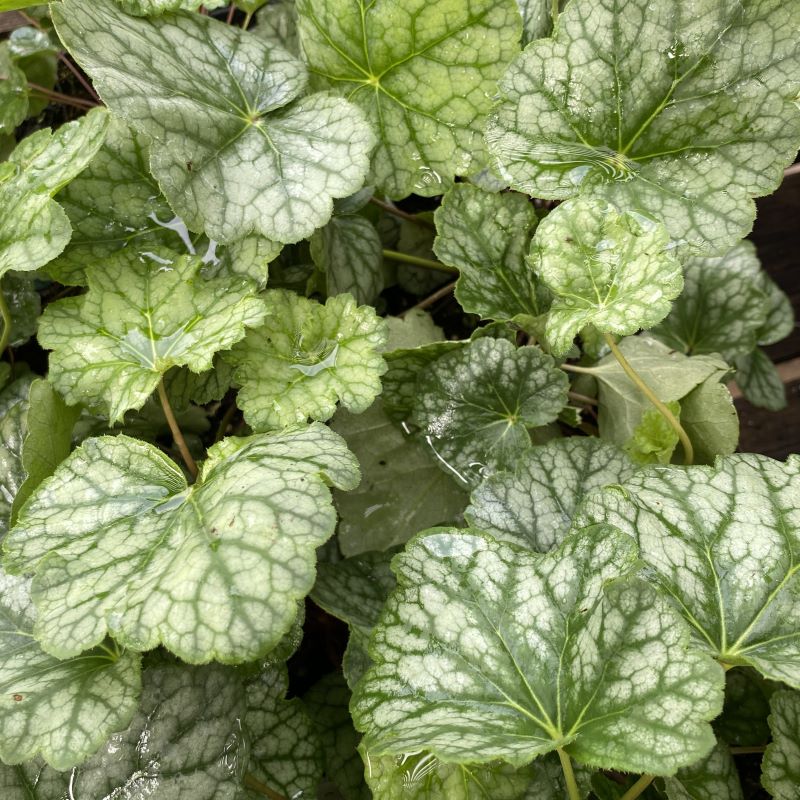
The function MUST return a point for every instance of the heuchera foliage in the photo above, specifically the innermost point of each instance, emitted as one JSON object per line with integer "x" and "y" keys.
{"x": 224, "y": 401}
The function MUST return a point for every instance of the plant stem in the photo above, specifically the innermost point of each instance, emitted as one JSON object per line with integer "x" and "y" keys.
{"x": 64, "y": 59}
{"x": 554, "y": 11}
{"x": 688, "y": 450}
{"x": 746, "y": 751}
{"x": 638, "y": 787}
{"x": 431, "y": 299}
{"x": 5, "y": 337}
{"x": 227, "y": 417}
{"x": 569, "y": 775}
{"x": 177, "y": 436}
{"x": 389, "y": 208}
{"x": 582, "y": 398}
{"x": 246, "y": 23}
{"x": 231, "y": 14}
{"x": 51, "y": 94}
{"x": 253, "y": 783}
{"x": 394, "y": 255}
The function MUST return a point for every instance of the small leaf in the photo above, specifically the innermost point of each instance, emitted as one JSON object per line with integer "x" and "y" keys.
{"x": 142, "y": 316}
{"x": 25, "y": 306}
{"x": 475, "y": 405}
{"x": 720, "y": 541}
{"x": 33, "y": 228}
{"x": 120, "y": 544}
{"x": 185, "y": 387}
{"x": 349, "y": 254}
{"x": 13, "y": 92}
{"x": 607, "y": 269}
{"x": 487, "y": 236}
{"x": 780, "y": 769}
{"x": 424, "y": 73}
{"x": 712, "y": 778}
{"x": 632, "y": 102}
{"x": 306, "y": 357}
{"x": 486, "y": 651}
{"x": 14, "y": 408}
{"x": 63, "y": 710}
{"x": 760, "y": 381}
{"x": 264, "y": 164}
{"x": 402, "y": 491}
{"x": 533, "y": 505}
{"x": 710, "y": 420}
{"x": 654, "y": 440}
{"x": 722, "y": 307}
{"x": 744, "y": 718}
{"x": 48, "y": 439}
{"x": 414, "y": 329}
{"x": 780, "y": 313}
{"x": 277, "y": 24}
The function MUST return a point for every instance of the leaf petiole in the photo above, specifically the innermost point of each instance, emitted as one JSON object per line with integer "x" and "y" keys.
{"x": 416, "y": 261}
{"x": 638, "y": 787}
{"x": 177, "y": 434}
{"x": 253, "y": 783}
{"x": 569, "y": 775}
{"x": 688, "y": 450}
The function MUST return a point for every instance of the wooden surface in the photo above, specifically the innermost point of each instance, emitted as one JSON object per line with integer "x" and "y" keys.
{"x": 777, "y": 237}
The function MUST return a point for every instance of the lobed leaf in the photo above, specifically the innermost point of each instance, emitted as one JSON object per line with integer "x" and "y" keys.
{"x": 780, "y": 769}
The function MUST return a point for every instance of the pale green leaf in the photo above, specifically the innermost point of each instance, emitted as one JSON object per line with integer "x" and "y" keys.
{"x": 306, "y": 357}
{"x": 14, "y": 407}
{"x": 144, "y": 8}
{"x": 277, "y": 24}
{"x": 760, "y": 381}
{"x": 402, "y": 491}
{"x": 236, "y": 152}
{"x": 63, "y": 710}
{"x": 681, "y": 111}
{"x": 533, "y": 505}
{"x": 34, "y": 52}
{"x": 710, "y": 420}
{"x": 327, "y": 702}
{"x": 712, "y": 778}
{"x": 349, "y": 254}
{"x": 612, "y": 270}
{"x": 24, "y": 305}
{"x": 654, "y": 440}
{"x": 722, "y": 307}
{"x": 780, "y": 313}
{"x": 120, "y": 544}
{"x": 487, "y": 651}
{"x": 424, "y": 73}
{"x": 13, "y": 92}
{"x": 414, "y": 329}
{"x": 780, "y": 769}
{"x": 474, "y": 406}
{"x": 486, "y": 236}
{"x": 185, "y": 741}
{"x": 285, "y": 753}
{"x": 33, "y": 780}
{"x": 669, "y": 374}
{"x": 142, "y": 316}
{"x": 48, "y": 439}
{"x": 721, "y": 542}
{"x": 33, "y": 228}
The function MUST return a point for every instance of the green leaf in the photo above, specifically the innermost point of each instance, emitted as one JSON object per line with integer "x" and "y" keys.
{"x": 402, "y": 491}
{"x": 277, "y": 24}
{"x": 306, "y": 357}
{"x": 537, "y": 19}
{"x": 186, "y": 739}
{"x": 475, "y": 405}
{"x": 263, "y": 163}
{"x": 48, "y": 439}
{"x": 487, "y": 651}
{"x": 327, "y": 703}
{"x": 185, "y": 387}
{"x": 63, "y": 710}
{"x": 780, "y": 769}
{"x": 720, "y": 541}
{"x": 486, "y": 236}
{"x": 722, "y": 308}
{"x": 612, "y": 270}
{"x": 712, "y": 778}
{"x": 670, "y": 375}
{"x": 145, "y": 8}
{"x": 13, "y": 92}
{"x": 33, "y": 780}
{"x": 355, "y": 589}
{"x": 425, "y": 74}
{"x": 24, "y": 304}
{"x": 349, "y": 254}
{"x": 14, "y": 407}
{"x": 142, "y": 316}
{"x": 682, "y": 114}
{"x": 414, "y": 329}
{"x": 654, "y": 440}
{"x": 710, "y": 420}
{"x": 34, "y": 229}
{"x": 780, "y": 313}
{"x": 120, "y": 544}
{"x": 744, "y": 718}
{"x": 533, "y": 505}
{"x": 760, "y": 381}
{"x": 285, "y": 753}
